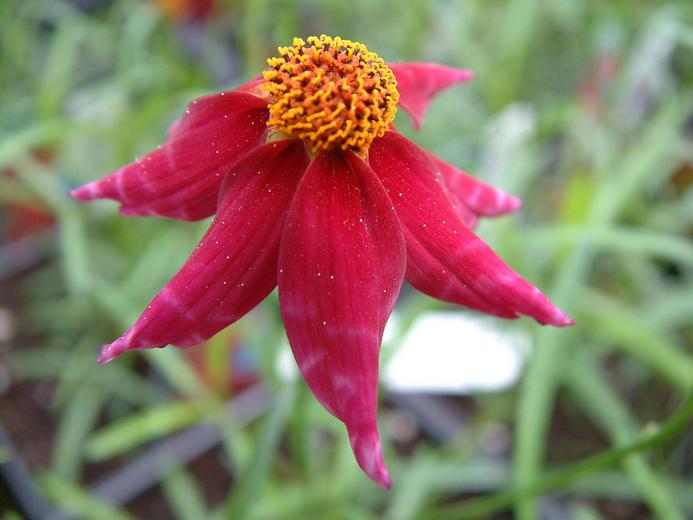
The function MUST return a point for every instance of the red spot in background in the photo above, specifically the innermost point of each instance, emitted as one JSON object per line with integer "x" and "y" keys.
{"x": 25, "y": 215}
{"x": 181, "y": 10}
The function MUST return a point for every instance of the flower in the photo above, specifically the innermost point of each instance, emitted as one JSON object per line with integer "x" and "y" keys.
{"x": 315, "y": 192}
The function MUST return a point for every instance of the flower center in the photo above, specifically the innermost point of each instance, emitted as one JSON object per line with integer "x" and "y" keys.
{"x": 331, "y": 93}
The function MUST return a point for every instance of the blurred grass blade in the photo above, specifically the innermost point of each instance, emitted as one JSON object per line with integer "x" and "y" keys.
{"x": 585, "y": 512}
{"x": 412, "y": 490}
{"x": 539, "y": 386}
{"x": 650, "y": 151}
{"x": 76, "y": 421}
{"x": 184, "y": 496}
{"x": 59, "y": 70}
{"x": 251, "y": 480}
{"x": 672, "y": 309}
{"x": 617, "y": 240}
{"x": 74, "y": 248}
{"x": 178, "y": 372}
{"x": 605, "y": 407}
{"x": 78, "y": 501}
{"x": 478, "y": 507}
{"x": 124, "y": 435}
{"x": 72, "y": 235}
{"x": 618, "y": 325}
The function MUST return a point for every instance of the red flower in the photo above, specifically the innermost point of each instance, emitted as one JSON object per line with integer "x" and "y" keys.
{"x": 315, "y": 191}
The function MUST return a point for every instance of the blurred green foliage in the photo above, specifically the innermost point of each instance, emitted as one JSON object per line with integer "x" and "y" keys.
{"x": 583, "y": 108}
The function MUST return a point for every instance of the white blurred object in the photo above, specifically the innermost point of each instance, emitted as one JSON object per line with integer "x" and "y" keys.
{"x": 453, "y": 353}
{"x": 285, "y": 364}
{"x": 443, "y": 353}
{"x": 506, "y": 138}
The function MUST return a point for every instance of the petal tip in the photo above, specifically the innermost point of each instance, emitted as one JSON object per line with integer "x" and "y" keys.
{"x": 84, "y": 193}
{"x": 416, "y": 122}
{"x": 377, "y": 471}
{"x": 558, "y": 318}
{"x": 106, "y": 354}
{"x": 565, "y": 321}
{"x": 514, "y": 203}
{"x": 464, "y": 75}
{"x": 110, "y": 351}
{"x": 367, "y": 449}
{"x": 383, "y": 480}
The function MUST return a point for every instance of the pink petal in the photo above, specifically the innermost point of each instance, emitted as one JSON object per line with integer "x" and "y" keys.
{"x": 465, "y": 214}
{"x": 342, "y": 262}
{"x": 481, "y": 198}
{"x": 418, "y": 83}
{"x": 445, "y": 259}
{"x": 181, "y": 178}
{"x": 235, "y": 264}
{"x": 252, "y": 87}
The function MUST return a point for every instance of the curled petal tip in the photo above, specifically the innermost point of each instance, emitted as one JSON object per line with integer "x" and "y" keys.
{"x": 483, "y": 199}
{"x": 544, "y": 311}
{"x": 182, "y": 177}
{"x": 513, "y": 203}
{"x": 464, "y": 75}
{"x": 564, "y": 321}
{"x": 558, "y": 318}
{"x": 111, "y": 351}
{"x": 369, "y": 455}
{"x": 86, "y": 192}
{"x": 106, "y": 354}
{"x": 383, "y": 480}
{"x": 418, "y": 83}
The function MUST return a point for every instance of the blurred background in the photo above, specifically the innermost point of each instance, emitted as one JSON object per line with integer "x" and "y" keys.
{"x": 583, "y": 108}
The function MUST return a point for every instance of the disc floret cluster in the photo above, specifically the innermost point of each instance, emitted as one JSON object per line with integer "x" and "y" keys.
{"x": 330, "y": 93}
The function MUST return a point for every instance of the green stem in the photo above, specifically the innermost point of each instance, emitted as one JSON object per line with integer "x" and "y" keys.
{"x": 478, "y": 507}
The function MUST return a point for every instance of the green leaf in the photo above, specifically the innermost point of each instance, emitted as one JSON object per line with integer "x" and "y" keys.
{"x": 602, "y": 403}
{"x": 621, "y": 240}
{"x": 170, "y": 363}
{"x": 77, "y": 500}
{"x": 124, "y": 435}
{"x": 617, "y": 324}
{"x": 76, "y": 421}
{"x": 184, "y": 496}
{"x": 251, "y": 479}
{"x": 559, "y": 479}
{"x": 651, "y": 151}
